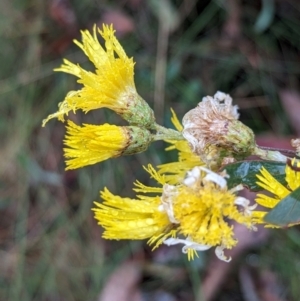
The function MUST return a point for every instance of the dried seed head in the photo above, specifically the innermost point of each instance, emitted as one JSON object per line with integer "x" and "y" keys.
{"x": 215, "y": 122}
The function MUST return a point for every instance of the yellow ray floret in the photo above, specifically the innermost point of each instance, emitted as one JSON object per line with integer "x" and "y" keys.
{"x": 176, "y": 121}
{"x": 203, "y": 206}
{"x": 278, "y": 191}
{"x": 292, "y": 172}
{"x": 91, "y": 144}
{"x": 111, "y": 85}
{"x": 174, "y": 172}
{"x": 203, "y": 210}
{"x": 125, "y": 218}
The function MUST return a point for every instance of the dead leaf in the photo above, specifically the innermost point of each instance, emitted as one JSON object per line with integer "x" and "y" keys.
{"x": 135, "y": 4}
{"x": 123, "y": 23}
{"x": 259, "y": 285}
{"x": 232, "y": 25}
{"x": 62, "y": 12}
{"x": 122, "y": 284}
{"x": 270, "y": 287}
{"x": 271, "y": 140}
{"x": 290, "y": 100}
{"x": 247, "y": 284}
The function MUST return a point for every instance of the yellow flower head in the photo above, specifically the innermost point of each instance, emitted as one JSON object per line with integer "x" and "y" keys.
{"x": 175, "y": 172}
{"x": 111, "y": 86}
{"x": 91, "y": 144}
{"x": 141, "y": 218}
{"x": 202, "y": 206}
{"x": 278, "y": 191}
{"x": 192, "y": 213}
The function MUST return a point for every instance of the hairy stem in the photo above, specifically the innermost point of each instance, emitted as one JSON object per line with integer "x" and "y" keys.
{"x": 163, "y": 133}
{"x": 268, "y": 154}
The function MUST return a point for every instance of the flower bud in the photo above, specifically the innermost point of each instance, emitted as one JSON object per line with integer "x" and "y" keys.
{"x": 139, "y": 140}
{"x": 136, "y": 110}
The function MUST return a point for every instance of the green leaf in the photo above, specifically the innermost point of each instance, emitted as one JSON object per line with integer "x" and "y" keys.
{"x": 265, "y": 17}
{"x": 245, "y": 172}
{"x": 287, "y": 211}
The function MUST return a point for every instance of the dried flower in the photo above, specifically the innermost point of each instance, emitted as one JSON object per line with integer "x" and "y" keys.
{"x": 212, "y": 128}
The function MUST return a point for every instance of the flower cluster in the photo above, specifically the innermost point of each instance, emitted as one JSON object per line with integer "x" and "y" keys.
{"x": 197, "y": 213}
{"x": 110, "y": 86}
{"x": 193, "y": 204}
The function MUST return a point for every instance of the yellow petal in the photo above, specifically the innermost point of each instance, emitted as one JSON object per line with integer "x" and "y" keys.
{"x": 91, "y": 144}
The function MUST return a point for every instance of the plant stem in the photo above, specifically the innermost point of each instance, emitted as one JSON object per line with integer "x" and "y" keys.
{"x": 163, "y": 133}
{"x": 268, "y": 154}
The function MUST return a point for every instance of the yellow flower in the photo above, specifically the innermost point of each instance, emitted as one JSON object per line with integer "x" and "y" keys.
{"x": 277, "y": 190}
{"x": 111, "y": 86}
{"x": 141, "y": 218}
{"x": 91, "y": 144}
{"x": 202, "y": 206}
{"x": 175, "y": 172}
{"x": 194, "y": 213}
{"x": 125, "y": 218}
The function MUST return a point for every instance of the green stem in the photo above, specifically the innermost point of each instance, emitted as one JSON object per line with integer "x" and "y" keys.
{"x": 269, "y": 154}
{"x": 163, "y": 133}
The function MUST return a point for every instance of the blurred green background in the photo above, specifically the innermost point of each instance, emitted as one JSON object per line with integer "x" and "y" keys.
{"x": 50, "y": 245}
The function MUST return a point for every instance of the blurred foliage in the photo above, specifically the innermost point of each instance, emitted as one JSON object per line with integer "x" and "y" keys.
{"x": 50, "y": 246}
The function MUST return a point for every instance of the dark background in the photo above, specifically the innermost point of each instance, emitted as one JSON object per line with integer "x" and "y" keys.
{"x": 50, "y": 245}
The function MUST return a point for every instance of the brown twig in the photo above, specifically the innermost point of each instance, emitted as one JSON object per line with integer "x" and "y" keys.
{"x": 289, "y": 152}
{"x": 160, "y": 70}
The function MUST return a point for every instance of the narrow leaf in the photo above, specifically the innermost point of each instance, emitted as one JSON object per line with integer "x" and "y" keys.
{"x": 287, "y": 211}
{"x": 265, "y": 16}
{"x": 245, "y": 172}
